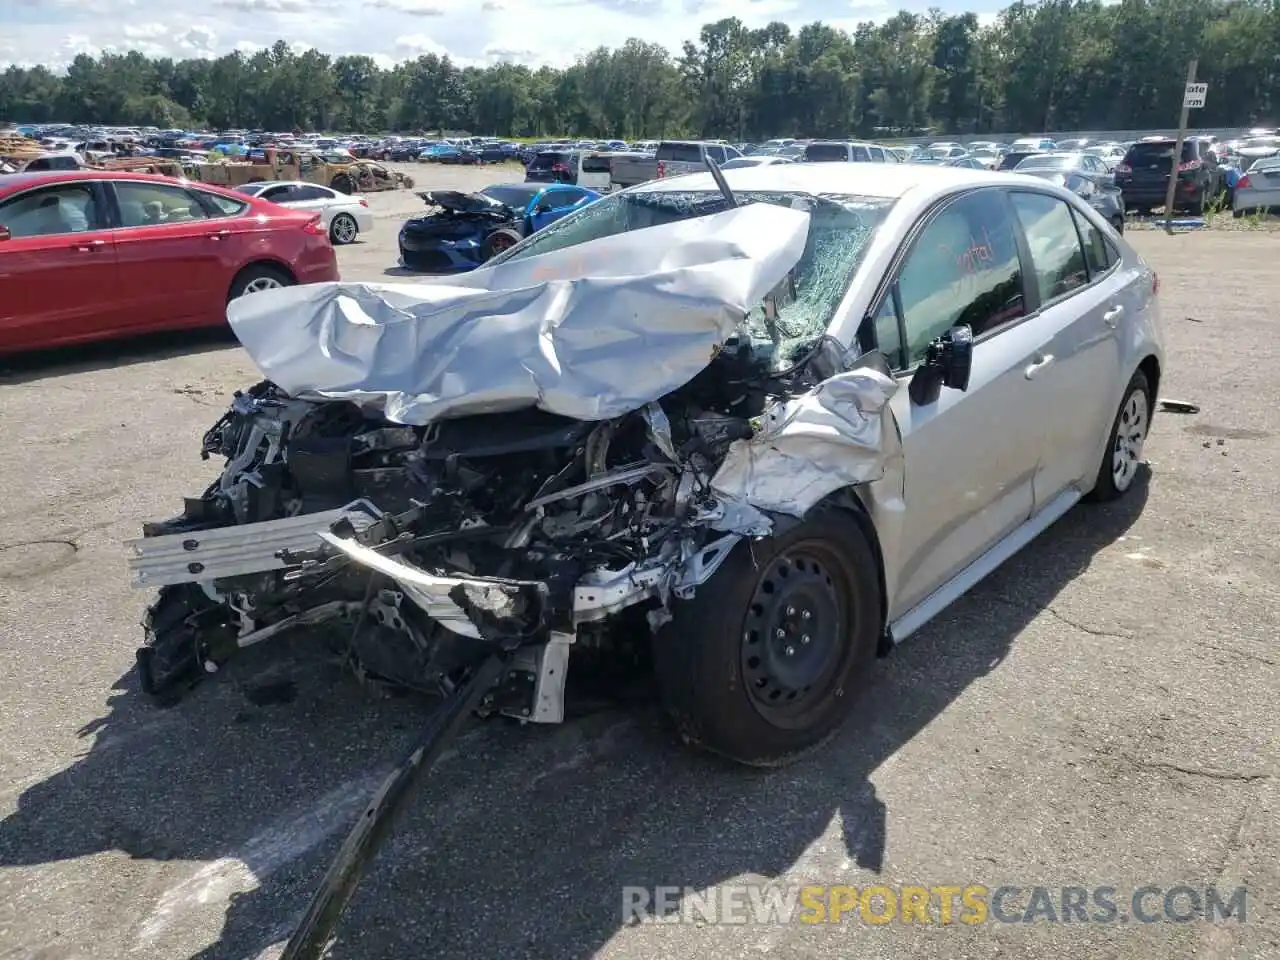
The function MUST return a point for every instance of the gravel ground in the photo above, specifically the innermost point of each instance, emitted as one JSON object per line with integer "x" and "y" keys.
{"x": 1100, "y": 713}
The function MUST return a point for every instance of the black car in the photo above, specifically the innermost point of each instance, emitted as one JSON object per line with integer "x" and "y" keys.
{"x": 552, "y": 166}
{"x": 1143, "y": 176}
{"x": 1084, "y": 175}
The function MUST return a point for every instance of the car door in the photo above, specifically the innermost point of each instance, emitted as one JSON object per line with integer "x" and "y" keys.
{"x": 58, "y": 275}
{"x": 316, "y": 199}
{"x": 170, "y": 253}
{"x": 551, "y": 205}
{"x": 284, "y": 194}
{"x": 1080, "y": 306}
{"x": 970, "y": 455}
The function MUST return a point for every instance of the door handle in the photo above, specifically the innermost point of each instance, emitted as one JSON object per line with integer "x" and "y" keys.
{"x": 1041, "y": 361}
{"x": 218, "y": 235}
{"x": 88, "y": 246}
{"x": 1112, "y": 316}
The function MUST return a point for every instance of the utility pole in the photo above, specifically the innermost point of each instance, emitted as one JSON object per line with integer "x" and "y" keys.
{"x": 1177, "y": 147}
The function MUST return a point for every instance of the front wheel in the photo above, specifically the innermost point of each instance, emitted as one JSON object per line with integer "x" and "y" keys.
{"x": 1123, "y": 456}
{"x": 765, "y": 662}
{"x": 499, "y": 241}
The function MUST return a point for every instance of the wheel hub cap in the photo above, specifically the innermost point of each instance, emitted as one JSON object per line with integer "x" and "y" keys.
{"x": 1131, "y": 435}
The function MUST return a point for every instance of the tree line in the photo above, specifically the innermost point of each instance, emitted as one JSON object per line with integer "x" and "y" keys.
{"x": 1051, "y": 65}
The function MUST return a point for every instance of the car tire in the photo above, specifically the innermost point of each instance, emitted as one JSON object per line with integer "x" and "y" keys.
{"x": 343, "y": 230}
{"x": 736, "y": 688}
{"x": 256, "y": 278}
{"x": 1122, "y": 459}
{"x": 500, "y": 241}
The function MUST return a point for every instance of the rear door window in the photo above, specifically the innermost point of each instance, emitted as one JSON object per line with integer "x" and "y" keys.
{"x": 1099, "y": 255}
{"x": 877, "y": 155}
{"x": 676, "y": 152}
{"x": 1056, "y": 253}
{"x": 280, "y": 194}
{"x": 1157, "y": 154}
{"x": 564, "y": 198}
{"x": 219, "y": 206}
{"x": 861, "y": 154}
{"x": 826, "y": 152}
{"x": 155, "y": 204}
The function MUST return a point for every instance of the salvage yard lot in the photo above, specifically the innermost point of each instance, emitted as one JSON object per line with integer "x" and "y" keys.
{"x": 1102, "y": 712}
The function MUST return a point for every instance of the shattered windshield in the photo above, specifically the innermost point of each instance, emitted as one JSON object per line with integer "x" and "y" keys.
{"x": 840, "y": 229}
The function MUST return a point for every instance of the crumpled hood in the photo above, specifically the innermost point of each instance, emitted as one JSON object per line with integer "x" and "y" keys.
{"x": 460, "y": 202}
{"x": 592, "y": 331}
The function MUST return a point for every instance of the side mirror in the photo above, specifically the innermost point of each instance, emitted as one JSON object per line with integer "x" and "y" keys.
{"x": 947, "y": 363}
{"x": 4, "y": 233}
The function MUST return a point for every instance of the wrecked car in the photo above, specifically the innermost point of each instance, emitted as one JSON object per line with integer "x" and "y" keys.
{"x": 467, "y": 229}
{"x": 748, "y": 430}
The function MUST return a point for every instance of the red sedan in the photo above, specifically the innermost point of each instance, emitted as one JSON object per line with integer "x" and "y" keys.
{"x": 89, "y": 255}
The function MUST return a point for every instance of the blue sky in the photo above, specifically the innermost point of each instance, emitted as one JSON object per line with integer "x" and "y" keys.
{"x": 472, "y": 31}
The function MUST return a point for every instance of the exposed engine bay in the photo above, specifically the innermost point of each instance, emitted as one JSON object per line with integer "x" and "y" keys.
{"x": 555, "y": 524}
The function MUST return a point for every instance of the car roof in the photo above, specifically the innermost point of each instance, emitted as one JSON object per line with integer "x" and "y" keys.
{"x": 888, "y": 181}
{"x": 13, "y": 182}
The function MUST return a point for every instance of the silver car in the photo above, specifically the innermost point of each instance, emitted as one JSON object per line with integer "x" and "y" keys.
{"x": 1258, "y": 191}
{"x": 1024, "y": 335}
{"x": 752, "y": 430}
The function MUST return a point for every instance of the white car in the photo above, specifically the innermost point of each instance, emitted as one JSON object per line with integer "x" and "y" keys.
{"x": 758, "y": 160}
{"x": 345, "y": 217}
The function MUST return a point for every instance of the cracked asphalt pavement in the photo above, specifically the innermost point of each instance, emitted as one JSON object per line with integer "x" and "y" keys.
{"x": 1100, "y": 712}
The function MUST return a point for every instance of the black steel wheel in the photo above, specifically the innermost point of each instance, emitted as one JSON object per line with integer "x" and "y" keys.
{"x": 794, "y": 632}
{"x": 764, "y": 663}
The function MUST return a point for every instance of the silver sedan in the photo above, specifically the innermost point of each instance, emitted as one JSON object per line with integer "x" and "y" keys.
{"x": 1023, "y": 335}
{"x": 1258, "y": 190}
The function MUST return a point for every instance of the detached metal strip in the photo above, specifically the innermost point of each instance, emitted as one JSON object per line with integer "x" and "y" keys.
{"x": 204, "y": 555}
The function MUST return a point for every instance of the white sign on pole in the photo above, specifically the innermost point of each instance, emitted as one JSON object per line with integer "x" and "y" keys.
{"x": 1193, "y": 97}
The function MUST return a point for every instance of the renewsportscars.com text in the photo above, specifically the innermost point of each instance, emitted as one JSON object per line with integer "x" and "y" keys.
{"x": 944, "y": 904}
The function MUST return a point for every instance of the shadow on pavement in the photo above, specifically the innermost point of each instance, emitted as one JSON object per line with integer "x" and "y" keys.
{"x": 107, "y": 355}
{"x": 524, "y": 837}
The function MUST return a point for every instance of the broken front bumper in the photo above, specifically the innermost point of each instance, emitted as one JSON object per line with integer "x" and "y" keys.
{"x": 465, "y": 604}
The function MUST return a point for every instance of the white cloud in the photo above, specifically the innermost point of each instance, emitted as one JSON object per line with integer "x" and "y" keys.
{"x": 417, "y": 45}
{"x": 414, "y": 8}
{"x": 469, "y": 31}
{"x": 144, "y": 31}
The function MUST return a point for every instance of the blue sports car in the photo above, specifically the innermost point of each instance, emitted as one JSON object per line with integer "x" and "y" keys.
{"x": 469, "y": 228}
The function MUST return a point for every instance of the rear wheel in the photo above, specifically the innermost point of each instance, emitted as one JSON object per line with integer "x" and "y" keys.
{"x": 1123, "y": 456}
{"x": 256, "y": 278}
{"x": 765, "y": 662}
{"x": 343, "y": 229}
